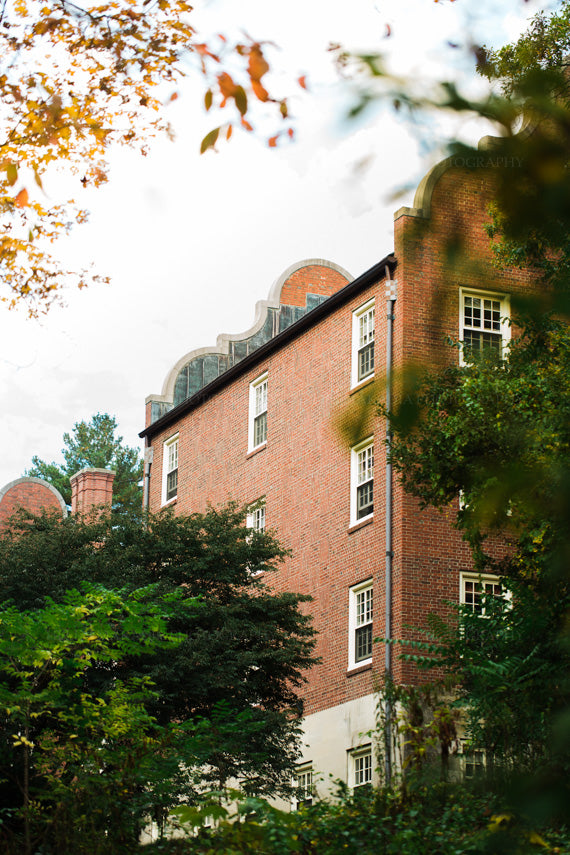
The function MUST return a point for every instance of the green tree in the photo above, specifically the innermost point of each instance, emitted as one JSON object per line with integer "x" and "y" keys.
{"x": 95, "y": 444}
{"x": 78, "y": 766}
{"x": 245, "y": 648}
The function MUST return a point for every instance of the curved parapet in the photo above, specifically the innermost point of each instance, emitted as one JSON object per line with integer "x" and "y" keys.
{"x": 300, "y": 288}
{"x": 32, "y": 494}
{"x": 424, "y": 191}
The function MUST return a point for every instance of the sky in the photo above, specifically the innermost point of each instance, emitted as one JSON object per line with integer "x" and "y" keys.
{"x": 191, "y": 242}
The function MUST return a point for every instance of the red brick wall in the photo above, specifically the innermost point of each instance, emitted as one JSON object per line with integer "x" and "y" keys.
{"x": 316, "y": 279}
{"x": 29, "y": 494}
{"x": 304, "y": 469}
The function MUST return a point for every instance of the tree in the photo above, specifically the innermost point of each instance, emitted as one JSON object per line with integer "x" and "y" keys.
{"x": 95, "y": 444}
{"x": 76, "y": 80}
{"x": 235, "y": 676}
{"x": 79, "y": 768}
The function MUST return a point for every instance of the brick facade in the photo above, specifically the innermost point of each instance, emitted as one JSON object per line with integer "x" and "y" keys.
{"x": 33, "y": 494}
{"x": 303, "y": 469}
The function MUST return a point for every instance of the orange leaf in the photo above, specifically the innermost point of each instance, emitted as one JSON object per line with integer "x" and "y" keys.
{"x": 246, "y": 124}
{"x": 257, "y": 66}
{"x": 272, "y": 141}
{"x": 229, "y": 132}
{"x": 261, "y": 93}
{"x": 22, "y": 198}
{"x": 174, "y": 96}
{"x": 302, "y": 81}
{"x": 227, "y": 86}
{"x": 291, "y": 133}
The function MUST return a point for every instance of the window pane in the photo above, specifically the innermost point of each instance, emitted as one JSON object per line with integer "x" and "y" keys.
{"x": 260, "y": 429}
{"x": 363, "y": 643}
{"x": 366, "y": 361}
{"x": 365, "y": 499}
{"x": 172, "y": 484}
{"x": 362, "y": 769}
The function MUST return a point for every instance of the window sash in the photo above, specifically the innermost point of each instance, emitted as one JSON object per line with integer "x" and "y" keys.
{"x": 261, "y": 398}
{"x": 474, "y": 590}
{"x": 482, "y": 324}
{"x": 362, "y": 769}
{"x": 260, "y": 429}
{"x": 171, "y": 484}
{"x": 257, "y": 519}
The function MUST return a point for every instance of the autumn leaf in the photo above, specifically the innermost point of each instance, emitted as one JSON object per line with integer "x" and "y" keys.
{"x": 272, "y": 141}
{"x": 257, "y": 65}
{"x": 229, "y": 132}
{"x": 22, "y": 198}
{"x": 241, "y": 100}
{"x": 209, "y": 140}
{"x": 302, "y": 81}
{"x": 208, "y": 97}
{"x": 261, "y": 93}
{"x": 12, "y": 173}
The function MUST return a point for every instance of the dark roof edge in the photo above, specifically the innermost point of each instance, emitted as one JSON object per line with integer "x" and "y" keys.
{"x": 314, "y": 316}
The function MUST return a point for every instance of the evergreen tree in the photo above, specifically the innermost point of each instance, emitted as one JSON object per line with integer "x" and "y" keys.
{"x": 95, "y": 444}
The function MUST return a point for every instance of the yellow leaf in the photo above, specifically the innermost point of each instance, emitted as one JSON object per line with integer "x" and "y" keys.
{"x": 12, "y": 173}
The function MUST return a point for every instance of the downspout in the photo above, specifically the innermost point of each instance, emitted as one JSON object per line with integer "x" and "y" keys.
{"x": 148, "y": 455}
{"x": 391, "y": 295}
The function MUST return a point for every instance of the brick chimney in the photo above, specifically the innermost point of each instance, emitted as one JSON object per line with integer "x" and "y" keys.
{"x": 91, "y": 488}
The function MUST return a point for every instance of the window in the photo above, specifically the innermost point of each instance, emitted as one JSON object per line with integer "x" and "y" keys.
{"x": 257, "y": 412}
{"x": 363, "y": 343}
{"x": 484, "y": 323}
{"x": 475, "y": 588}
{"x": 360, "y": 767}
{"x": 256, "y": 517}
{"x": 362, "y": 481}
{"x": 170, "y": 470}
{"x": 303, "y": 784}
{"x": 360, "y": 613}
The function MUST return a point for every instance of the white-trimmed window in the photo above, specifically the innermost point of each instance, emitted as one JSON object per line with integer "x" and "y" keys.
{"x": 360, "y": 615}
{"x": 363, "y": 343}
{"x": 256, "y": 516}
{"x": 257, "y": 434}
{"x": 474, "y": 589}
{"x": 483, "y": 323}
{"x": 360, "y": 767}
{"x": 304, "y": 786}
{"x": 170, "y": 469}
{"x": 362, "y": 481}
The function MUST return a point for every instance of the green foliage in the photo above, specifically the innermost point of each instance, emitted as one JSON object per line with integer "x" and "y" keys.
{"x": 225, "y": 699}
{"x": 94, "y": 444}
{"x": 441, "y": 819}
{"x": 74, "y": 760}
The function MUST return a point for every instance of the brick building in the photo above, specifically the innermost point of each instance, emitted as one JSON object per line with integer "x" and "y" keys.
{"x": 256, "y": 420}
{"x": 90, "y": 488}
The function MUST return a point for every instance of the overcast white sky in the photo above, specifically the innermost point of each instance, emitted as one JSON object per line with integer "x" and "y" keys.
{"x": 191, "y": 243}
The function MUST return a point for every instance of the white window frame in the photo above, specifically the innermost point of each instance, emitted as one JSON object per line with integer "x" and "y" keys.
{"x": 304, "y": 781}
{"x": 360, "y": 616}
{"x": 504, "y": 327}
{"x": 256, "y": 516}
{"x": 170, "y": 453}
{"x": 257, "y": 408}
{"x": 360, "y": 767}
{"x": 362, "y": 339}
{"x": 360, "y": 469}
{"x": 485, "y": 581}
